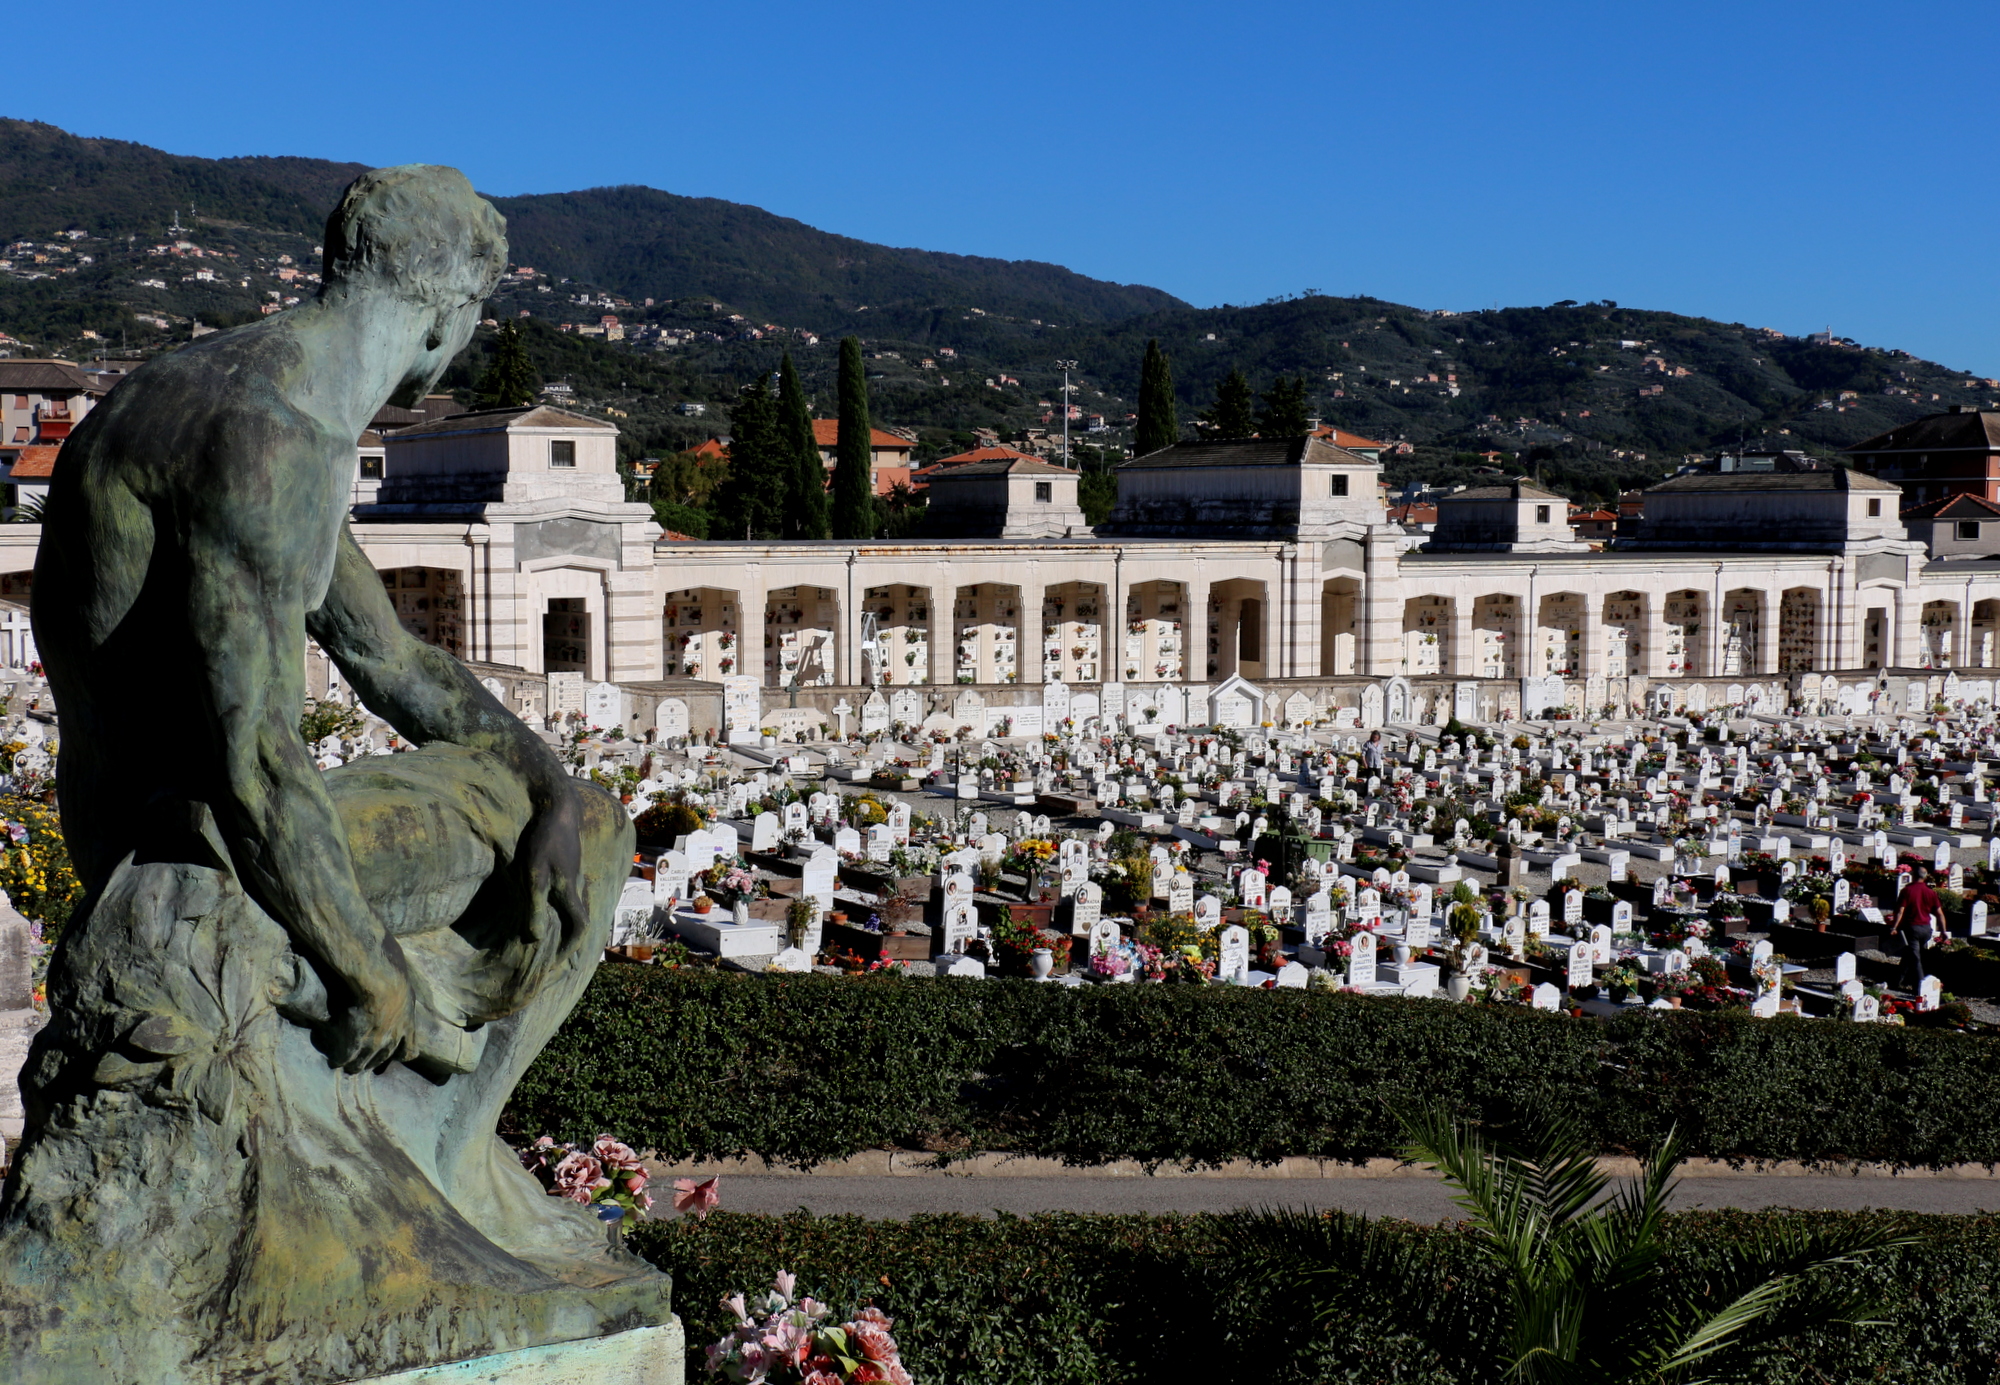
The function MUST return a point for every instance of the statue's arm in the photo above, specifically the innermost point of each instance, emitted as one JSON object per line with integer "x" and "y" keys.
{"x": 286, "y": 837}
{"x": 428, "y": 695}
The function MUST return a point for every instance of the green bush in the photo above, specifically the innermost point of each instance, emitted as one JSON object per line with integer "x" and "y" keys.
{"x": 1052, "y": 1300}
{"x": 803, "y": 1069}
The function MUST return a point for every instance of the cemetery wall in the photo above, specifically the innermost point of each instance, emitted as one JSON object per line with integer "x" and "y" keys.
{"x": 1131, "y": 1300}
{"x": 996, "y": 709}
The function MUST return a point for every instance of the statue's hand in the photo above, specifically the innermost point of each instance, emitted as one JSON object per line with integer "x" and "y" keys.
{"x": 550, "y": 864}
{"x": 380, "y": 1027}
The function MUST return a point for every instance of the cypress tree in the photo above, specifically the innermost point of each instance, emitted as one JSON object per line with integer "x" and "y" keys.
{"x": 509, "y": 381}
{"x": 1232, "y": 416}
{"x": 805, "y": 494}
{"x": 1158, "y": 425}
{"x": 853, "y": 466}
{"x": 1284, "y": 413}
{"x": 751, "y": 503}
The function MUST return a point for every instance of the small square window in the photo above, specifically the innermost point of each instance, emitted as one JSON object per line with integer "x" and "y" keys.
{"x": 1968, "y": 529}
{"x": 1045, "y": 492}
{"x": 1874, "y": 509}
{"x": 371, "y": 468}
{"x": 562, "y": 453}
{"x": 1541, "y": 514}
{"x": 1340, "y": 483}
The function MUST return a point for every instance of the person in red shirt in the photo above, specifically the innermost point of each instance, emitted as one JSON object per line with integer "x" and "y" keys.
{"x": 1918, "y": 912}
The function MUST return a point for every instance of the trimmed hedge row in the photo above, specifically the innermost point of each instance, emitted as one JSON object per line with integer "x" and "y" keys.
{"x": 803, "y": 1069}
{"x": 1067, "y": 1299}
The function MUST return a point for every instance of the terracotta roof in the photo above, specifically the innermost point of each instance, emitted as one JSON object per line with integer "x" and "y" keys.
{"x": 1247, "y": 452}
{"x": 1416, "y": 512}
{"x": 711, "y": 450}
{"x": 483, "y": 420}
{"x": 1971, "y": 430}
{"x": 370, "y": 438}
{"x": 1004, "y": 466}
{"x": 826, "y": 432}
{"x": 1581, "y": 516}
{"x": 1340, "y": 437}
{"x": 35, "y": 463}
{"x": 979, "y": 454}
{"x": 1955, "y": 507}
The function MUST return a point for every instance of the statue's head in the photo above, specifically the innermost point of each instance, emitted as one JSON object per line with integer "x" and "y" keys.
{"x": 420, "y": 234}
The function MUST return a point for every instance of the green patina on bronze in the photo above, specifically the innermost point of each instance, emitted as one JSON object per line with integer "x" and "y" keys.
{"x": 260, "y": 1142}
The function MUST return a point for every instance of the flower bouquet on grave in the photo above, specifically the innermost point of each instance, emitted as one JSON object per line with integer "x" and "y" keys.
{"x": 607, "y": 1178}
{"x": 727, "y": 881}
{"x": 790, "y": 1343}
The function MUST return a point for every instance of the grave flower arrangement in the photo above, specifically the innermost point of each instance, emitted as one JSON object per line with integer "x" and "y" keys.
{"x": 728, "y": 881}
{"x": 605, "y": 1176}
{"x": 782, "y": 1340}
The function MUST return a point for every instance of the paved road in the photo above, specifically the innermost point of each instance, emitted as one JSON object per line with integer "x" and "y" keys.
{"x": 1413, "y": 1198}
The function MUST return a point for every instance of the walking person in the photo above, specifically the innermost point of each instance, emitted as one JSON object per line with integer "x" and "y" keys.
{"x": 1917, "y": 911}
{"x": 1371, "y": 754}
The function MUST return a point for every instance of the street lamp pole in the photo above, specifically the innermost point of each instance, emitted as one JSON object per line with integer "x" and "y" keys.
{"x": 1067, "y": 367}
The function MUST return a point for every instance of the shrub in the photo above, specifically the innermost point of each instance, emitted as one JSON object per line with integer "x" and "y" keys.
{"x": 1064, "y": 1299}
{"x": 664, "y": 822}
{"x": 804, "y": 1069}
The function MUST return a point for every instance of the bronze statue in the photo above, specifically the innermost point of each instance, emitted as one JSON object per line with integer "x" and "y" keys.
{"x": 285, "y": 1018}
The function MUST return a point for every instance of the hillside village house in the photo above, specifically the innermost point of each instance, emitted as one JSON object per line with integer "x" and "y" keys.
{"x": 40, "y": 401}
{"x": 890, "y": 456}
{"x": 1952, "y": 453}
{"x": 504, "y": 536}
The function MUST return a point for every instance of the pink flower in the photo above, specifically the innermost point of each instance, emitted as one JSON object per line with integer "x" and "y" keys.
{"x": 613, "y": 1154}
{"x": 786, "y": 1280}
{"x": 734, "y": 1303}
{"x": 579, "y": 1177}
{"x": 700, "y": 1199}
{"x": 874, "y": 1342}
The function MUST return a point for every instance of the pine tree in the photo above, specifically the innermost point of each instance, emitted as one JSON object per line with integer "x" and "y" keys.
{"x": 853, "y": 467}
{"x": 805, "y": 493}
{"x": 1284, "y": 412}
{"x": 1231, "y": 416}
{"x": 1159, "y": 426}
{"x": 751, "y": 503}
{"x": 509, "y": 381}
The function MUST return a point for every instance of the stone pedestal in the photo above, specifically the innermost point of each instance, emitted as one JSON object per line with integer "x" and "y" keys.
{"x": 643, "y": 1356}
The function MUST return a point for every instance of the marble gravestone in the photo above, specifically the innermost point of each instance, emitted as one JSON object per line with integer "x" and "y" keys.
{"x": 286, "y": 1018}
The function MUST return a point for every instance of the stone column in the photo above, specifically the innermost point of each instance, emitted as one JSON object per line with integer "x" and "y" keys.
{"x": 750, "y": 599}
{"x": 1028, "y": 637}
{"x": 1458, "y": 656}
{"x": 1194, "y": 641}
{"x": 1653, "y": 637}
{"x": 1907, "y": 634}
{"x": 1379, "y": 608}
{"x": 1962, "y": 652}
{"x": 1590, "y": 653}
{"x": 944, "y": 628}
{"x": 1767, "y": 634}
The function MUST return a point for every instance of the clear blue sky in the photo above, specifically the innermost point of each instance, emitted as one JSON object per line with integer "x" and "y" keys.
{"x": 1790, "y": 165}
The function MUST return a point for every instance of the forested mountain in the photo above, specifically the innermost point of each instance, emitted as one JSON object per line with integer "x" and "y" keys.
{"x": 708, "y": 293}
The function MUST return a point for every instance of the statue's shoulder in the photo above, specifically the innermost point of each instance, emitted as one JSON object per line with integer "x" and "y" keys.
{"x": 233, "y": 391}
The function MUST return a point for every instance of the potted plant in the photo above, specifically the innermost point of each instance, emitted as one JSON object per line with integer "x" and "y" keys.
{"x": 1462, "y": 925}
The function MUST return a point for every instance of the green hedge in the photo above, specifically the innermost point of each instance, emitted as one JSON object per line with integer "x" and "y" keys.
{"x": 1099, "y": 1299}
{"x": 799, "y": 1070}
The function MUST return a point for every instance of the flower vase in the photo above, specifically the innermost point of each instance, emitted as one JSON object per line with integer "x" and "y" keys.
{"x": 1402, "y": 954}
{"x": 1044, "y": 962}
{"x": 739, "y": 912}
{"x": 1459, "y": 986}
{"x": 613, "y": 1217}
